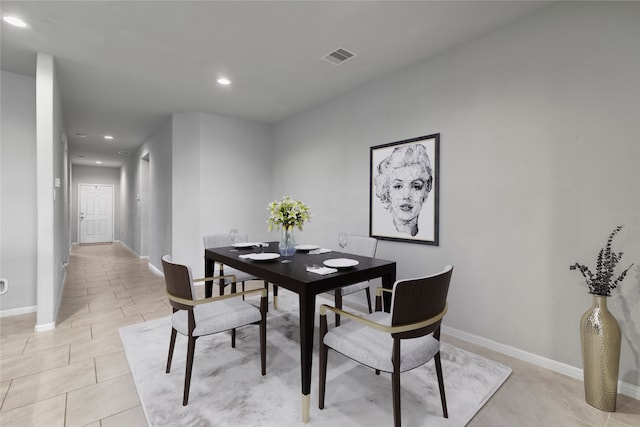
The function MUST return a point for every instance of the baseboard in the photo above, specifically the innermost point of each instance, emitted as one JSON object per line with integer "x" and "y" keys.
{"x": 155, "y": 270}
{"x": 45, "y": 327}
{"x": 625, "y": 388}
{"x": 18, "y": 311}
{"x": 128, "y": 248}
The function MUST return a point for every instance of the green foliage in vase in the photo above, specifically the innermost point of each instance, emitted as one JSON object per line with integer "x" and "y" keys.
{"x": 287, "y": 213}
{"x": 605, "y": 279}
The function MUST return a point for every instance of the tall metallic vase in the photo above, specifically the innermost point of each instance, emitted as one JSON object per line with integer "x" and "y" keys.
{"x": 600, "y": 336}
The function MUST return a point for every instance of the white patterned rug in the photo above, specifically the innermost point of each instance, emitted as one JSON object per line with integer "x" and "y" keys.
{"x": 228, "y": 390}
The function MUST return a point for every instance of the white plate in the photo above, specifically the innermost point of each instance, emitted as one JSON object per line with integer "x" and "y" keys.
{"x": 266, "y": 256}
{"x": 244, "y": 244}
{"x": 307, "y": 247}
{"x": 341, "y": 263}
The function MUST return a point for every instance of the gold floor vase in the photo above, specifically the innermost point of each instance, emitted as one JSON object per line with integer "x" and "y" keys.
{"x": 600, "y": 337}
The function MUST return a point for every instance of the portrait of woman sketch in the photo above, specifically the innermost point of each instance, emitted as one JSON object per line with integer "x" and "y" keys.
{"x": 403, "y": 176}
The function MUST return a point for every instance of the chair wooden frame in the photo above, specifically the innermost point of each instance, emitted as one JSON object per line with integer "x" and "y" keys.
{"x": 338, "y": 293}
{"x": 179, "y": 303}
{"x": 397, "y": 332}
{"x": 222, "y": 284}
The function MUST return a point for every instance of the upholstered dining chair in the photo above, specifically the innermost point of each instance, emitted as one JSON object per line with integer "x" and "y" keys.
{"x": 195, "y": 318}
{"x": 218, "y": 240}
{"x": 404, "y": 339}
{"x": 357, "y": 245}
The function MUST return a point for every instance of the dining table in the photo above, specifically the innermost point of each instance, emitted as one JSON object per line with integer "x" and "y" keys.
{"x": 295, "y": 277}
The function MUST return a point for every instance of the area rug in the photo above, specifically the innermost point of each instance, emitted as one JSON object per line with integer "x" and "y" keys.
{"x": 228, "y": 390}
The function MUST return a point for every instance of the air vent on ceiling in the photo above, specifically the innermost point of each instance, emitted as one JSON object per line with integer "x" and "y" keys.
{"x": 338, "y": 56}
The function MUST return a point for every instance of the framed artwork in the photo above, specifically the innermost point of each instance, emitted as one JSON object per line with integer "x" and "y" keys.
{"x": 404, "y": 190}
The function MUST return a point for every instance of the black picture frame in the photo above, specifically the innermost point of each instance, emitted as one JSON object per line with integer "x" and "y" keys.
{"x": 398, "y": 182}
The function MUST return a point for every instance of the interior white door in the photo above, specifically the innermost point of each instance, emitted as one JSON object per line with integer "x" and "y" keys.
{"x": 95, "y": 215}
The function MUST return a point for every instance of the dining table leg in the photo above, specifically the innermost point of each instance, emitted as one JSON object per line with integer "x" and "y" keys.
{"x": 209, "y": 270}
{"x": 387, "y": 283}
{"x": 307, "y": 318}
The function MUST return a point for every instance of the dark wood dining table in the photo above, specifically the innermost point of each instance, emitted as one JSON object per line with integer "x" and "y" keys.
{"x": 295, "y": 277}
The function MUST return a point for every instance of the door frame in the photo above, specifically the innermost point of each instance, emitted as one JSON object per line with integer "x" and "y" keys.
{"x": 113, "y": 208}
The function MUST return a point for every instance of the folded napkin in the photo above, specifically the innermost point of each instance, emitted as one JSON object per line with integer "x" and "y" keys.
{"x": 319, "y": 251}
{"x": 321, "y": 270}
{"x": 260, "y": 245}
{"x": 246, "y": 255}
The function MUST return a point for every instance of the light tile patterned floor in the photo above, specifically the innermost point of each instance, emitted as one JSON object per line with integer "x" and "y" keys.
{"x": 77, "y": 374}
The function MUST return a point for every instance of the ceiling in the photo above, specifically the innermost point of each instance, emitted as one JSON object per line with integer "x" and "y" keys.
{"x": 124, "y": 67}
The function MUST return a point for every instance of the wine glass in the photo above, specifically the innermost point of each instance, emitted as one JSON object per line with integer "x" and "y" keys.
{"x": 234, "y": 237}
{"x": 343, "y": 239}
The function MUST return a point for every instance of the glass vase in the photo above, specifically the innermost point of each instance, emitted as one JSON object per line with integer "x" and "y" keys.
{"x": 287, "y": 245}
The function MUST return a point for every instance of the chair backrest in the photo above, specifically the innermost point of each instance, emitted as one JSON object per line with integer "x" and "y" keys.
{"x": 223, "y": 239}
{"x": 361, "y": 245}
{"x": 415, "y": 300}
{"x": 179, "y": 282}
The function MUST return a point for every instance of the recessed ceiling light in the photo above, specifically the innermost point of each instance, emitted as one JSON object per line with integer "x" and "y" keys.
{"x": 80, "y": 155}
{"x": 81, "y": 135}
{"x": 122, "y": 152}
{"x": 224, "y": 81}
{"x": 15, "y": 21}
{"x": 98, "y": 162}
{"x": 108, "y": 137}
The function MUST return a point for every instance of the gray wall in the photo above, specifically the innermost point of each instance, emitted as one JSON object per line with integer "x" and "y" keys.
{"x": 94, "y": 175}
{"x": 18, "y": 191}
{"x": 52, "y": 203}
{"x": 158, "y": 150}
{"x": 540, "y": 159}
{"x": 221, "y": 180}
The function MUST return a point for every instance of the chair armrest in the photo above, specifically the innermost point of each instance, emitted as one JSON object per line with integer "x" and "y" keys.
{"x": 202, "y": 279}
{"x": 385, "y": 328}
{"x": 190, "y": 302}
{"x": 216, "y": 262}
{"x": 379, "y": 291}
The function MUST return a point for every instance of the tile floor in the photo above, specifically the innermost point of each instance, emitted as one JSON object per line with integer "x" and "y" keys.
{"x": 77, "y": 374}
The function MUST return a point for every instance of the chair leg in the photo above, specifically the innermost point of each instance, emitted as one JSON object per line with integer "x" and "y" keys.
{"x": 263, "y": 335}
{"x": 275, "y": 296}
{"x": 172, "y": 343}
{"x": 395, "y": 383}
{"x": 233, "y": 338}
{"x": 324, "y": 350}
{"x": 368, "y": 299}
{"x": 395, "y": 386}
{"x": 187, "y": 375}
{"x": 443, "y": 398}
{"x": 338, "y": 301}
{"x": 322, "y": 383}
{"x": 243, "y": 291}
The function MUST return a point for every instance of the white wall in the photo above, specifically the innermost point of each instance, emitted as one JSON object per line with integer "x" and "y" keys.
{"x": 61, "y": 171}
{"x": 94, "y": 175}
{"x": 186, "y": 186}
{"x": 158, "y": 148}
{"x": 221, "y": 180}
{"x": 18, "y": 192}
{"x": 52, "y": 203}
{"x": 540, "y": 159}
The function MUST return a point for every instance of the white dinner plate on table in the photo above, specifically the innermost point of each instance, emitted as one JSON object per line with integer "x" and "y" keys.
{"x": 265, "y": 256}
{"x": 341, "y": 263}
{"x": 244, "y": 245}
{"x": 307, "y": 247}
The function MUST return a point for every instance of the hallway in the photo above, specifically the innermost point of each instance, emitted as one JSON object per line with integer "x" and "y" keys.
{"x": 77, "y": 374}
